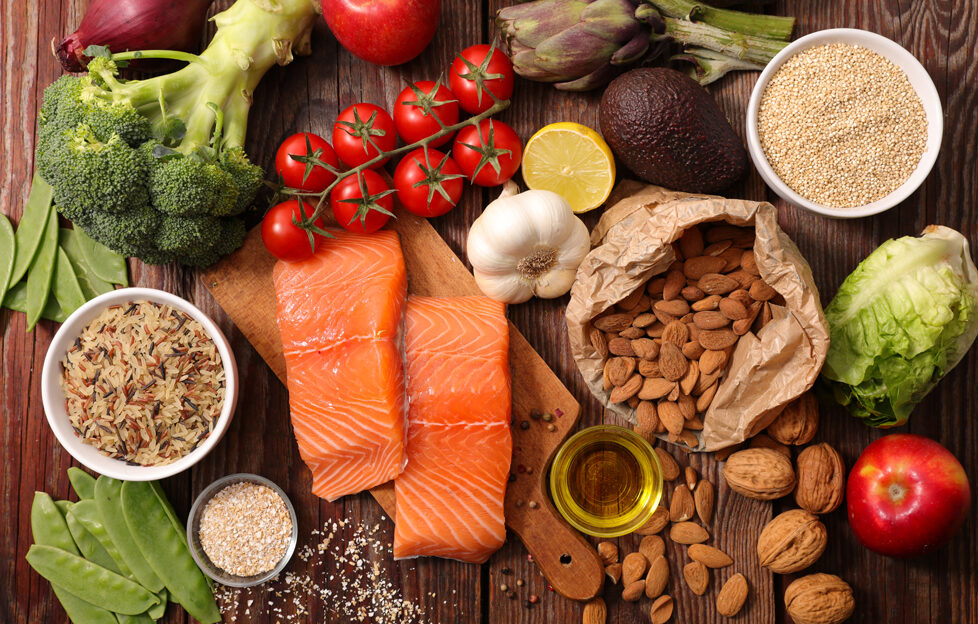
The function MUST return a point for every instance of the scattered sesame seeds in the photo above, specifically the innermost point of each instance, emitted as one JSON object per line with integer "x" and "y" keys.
{"x": 246, "y": 529}
{"x": 841, "y": 125}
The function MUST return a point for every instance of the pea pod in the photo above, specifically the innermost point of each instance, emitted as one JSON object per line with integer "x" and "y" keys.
{"x": 30, "y": 230}
{"x": 90, "y": 283}
{"x": 41, "y": 271}
{"x": 90, "y": 547}
{"x": 142, "y": 618}
{"x": 63, "y": 506}
{"x": 8, "y": 249}
{"x": 106, "y": 264}
{"x": 81, "y": 611}
{"x": 49, "y": 525}
{"x": 64, "y": 284}
{"x": 166, "y": 551}
{"x": 81, "y": 577}
{"x": 159, "y": 610}
{"x": 87, "y": 513}
{"x": 108, "y": 500}
{"x": 16, "y": 300}
{"x": 82, "y": 482}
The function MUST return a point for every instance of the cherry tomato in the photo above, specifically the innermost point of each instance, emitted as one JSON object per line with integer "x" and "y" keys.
{"x": 285, "y": 240}
{"x": 352, "y": 129}
{"x": 475, "y": 64}
{"x": 300, "y": 175}
{"x": 414, "y": 179}
{"x": 489, "y": 155}
{"x": 414, "y": 123}
{"x": 358, "y": 212}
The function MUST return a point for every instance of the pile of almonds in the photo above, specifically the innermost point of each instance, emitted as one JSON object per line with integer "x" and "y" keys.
{"x": 666, "y": 346}
{"x": 789, "y": 543}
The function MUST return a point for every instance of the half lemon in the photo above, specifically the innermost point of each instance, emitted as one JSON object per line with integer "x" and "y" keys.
{"x": 571, "y": 160}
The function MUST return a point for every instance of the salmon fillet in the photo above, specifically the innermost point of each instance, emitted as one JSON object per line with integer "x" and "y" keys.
{"x": 450, "y": 495}
{"x": 340, "y": 318}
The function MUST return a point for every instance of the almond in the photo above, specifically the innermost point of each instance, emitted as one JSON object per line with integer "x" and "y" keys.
{"x": 647, "y": 419}
{"x": 633, "y": 568}
{"x": 627, "y": 390}
{"x": 716, "y": 284}
{"x": 632, "y": 299}
{"x": 694, "y": 424}
{"x": 748, "y": 262}
{"x": 762, "y": 440}
{"x": 761, "y": 291}
{"x": 687, "y": 404}
{"x": 658, "y": 577}
{"x": 688, "y": 532}
{"x": 766, "y": 315}
{"x": 613, "y": 572}
{"x": 705, "y": 398}
{"x": 674, "y": 396}
{"x": 631, "y": 333}
{"x": 743, "y": 326}
{"x": 705, "y": 381}
{"x": 723, "y": 232}
{"x": 619, "y": 369}
{"x": 741, "y": 296}
{"x": 649, "y": 369}
{"x": 732, "y": 595}
{"x": 712, "y": 361}
{"x": 731, "y": 259}
{"x": 633, "y": 592}
{"x": 643, "y": 320}
{"x": 724, "y": 453}
{"x": 672, "y": 362}
{"x": 733, "y": 309}
{"x": 745, "y": 239}
{"x": 675, "y": 281}
{"x": 697, "y": 577}
{"x": 658, "y": 521}
{"x": 613, "y": 323}
{"x": 691, "y": 478}
{"x": 595, "y": 611}
{"x": 717, "y": 339}
{"x": 651, "y": 547}
{"x": 674, "y": 307}
{"x": 711, "y": 319}
{"x": 661, "y": 609}
{"x": 676, "y": 332}
{"x": 608, "y": 552}
{"x": 712, "y": 302}
{"x": 655, "y": 388}
{"x": 759, "y": 473}
{"x": 693, "y": 350}
{"x": 703, "y": 499}
{"x": 692, "y": 294}
{"x": 688, "y": 382}
{"x": 642, "y": 305}
{"x": 670, "y": 469}
{"x": 654, "y": 289}
{"x": 671, "y": 417}
{"x": 681, "y": 507}
{"x": 605, "y": 380}
{"x": 621, "y": 346}
{"x": 696, "y": 267}
{"x": 598, "y": 341}
{"x": 688, "y": 438}
{"x": 715, "y": 249}
{"x": 691, "y": 242}
{"x": 633, "y": 402}
{"x": 655, "y": 329}
{"x": 645, "y": 348}
{"x": 710, "y": 556}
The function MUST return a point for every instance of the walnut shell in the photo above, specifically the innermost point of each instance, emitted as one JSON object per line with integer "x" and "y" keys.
{"x": 791, "y": 542}
{"x": 759, "y": 473}
{"x": 821, "y": 479}
{"x": 797, "y": 423}
{"x": 819, "y": 599}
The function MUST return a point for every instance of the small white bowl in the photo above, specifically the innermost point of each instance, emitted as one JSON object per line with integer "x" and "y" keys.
{"x": 54, "y": 399}
{"x": 920, "y": 82}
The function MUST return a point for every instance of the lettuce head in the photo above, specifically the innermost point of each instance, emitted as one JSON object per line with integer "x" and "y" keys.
{"x": 903, "y": 319}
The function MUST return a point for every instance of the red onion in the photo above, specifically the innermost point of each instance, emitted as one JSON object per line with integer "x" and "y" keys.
{"x": 135, "y": 25}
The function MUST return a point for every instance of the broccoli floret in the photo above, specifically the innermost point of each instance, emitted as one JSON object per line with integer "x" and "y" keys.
{"x": 156, "y": 168}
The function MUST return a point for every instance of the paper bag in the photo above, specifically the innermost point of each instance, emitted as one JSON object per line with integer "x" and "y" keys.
{"x": 631, "y": 243}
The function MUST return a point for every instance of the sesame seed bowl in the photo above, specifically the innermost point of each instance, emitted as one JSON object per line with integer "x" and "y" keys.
{"x": 844, "y": 177}
{"x": 247, "y": 523}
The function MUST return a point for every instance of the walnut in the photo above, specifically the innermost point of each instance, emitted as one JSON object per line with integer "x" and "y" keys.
{"x": 797, "y": 423}
{"x": 819, "y": 599}
{"x": 759, "y": 473}
{"x": 791, "y": 542}
{"x": 821, "y": 479}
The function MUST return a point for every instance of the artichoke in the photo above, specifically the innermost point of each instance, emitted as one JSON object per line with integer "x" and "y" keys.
{"x": 583, "y": 44}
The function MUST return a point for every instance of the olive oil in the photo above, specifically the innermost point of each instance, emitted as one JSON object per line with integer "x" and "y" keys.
{"x": 606, "y": 481}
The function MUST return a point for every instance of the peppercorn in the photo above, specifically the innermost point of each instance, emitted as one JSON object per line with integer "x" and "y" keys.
{"x": 550, "y": 427}
{"x": 535, "y": 414}
{"x": 548, "y": 417}
{"x": 506, "y": 571}
{"x": 524, "y": 424}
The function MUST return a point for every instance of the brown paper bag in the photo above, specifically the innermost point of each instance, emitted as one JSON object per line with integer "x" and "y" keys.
{"x": 631, "y": 243}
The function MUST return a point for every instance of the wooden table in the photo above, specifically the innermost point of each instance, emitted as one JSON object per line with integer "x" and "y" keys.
{"x": 307, "y": 95}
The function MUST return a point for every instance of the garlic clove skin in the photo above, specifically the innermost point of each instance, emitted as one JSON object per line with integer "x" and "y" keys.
{"x": 508, "y": 288}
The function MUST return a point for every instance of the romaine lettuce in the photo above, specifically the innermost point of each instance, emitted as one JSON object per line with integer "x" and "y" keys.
{"x": 903, "y": 319}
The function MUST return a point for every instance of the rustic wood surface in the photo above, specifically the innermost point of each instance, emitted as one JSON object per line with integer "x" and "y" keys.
{"x": 307, "y": 96}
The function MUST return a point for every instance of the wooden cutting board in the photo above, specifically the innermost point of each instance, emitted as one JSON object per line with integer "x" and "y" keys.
{"x": 242, "y": 285}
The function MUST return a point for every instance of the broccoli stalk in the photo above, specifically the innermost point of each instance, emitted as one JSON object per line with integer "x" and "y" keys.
{"x": 156, "y": 168}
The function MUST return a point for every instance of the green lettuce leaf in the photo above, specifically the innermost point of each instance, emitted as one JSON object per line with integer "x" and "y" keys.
{"x": 903, "y": 319}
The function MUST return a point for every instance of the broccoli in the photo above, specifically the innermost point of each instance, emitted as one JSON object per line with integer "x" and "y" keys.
{"x": 156, "y": 168}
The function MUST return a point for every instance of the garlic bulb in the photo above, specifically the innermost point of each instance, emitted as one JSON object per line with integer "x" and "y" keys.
{"x": 526, "y": 244}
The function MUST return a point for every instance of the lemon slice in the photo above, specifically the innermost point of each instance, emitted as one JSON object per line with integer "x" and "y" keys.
{"x": 571, "y": 160}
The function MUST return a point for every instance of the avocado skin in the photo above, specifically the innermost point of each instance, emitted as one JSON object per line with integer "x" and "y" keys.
{"x": 669, "y": 131}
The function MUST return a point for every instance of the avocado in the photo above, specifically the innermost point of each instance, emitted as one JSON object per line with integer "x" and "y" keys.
{"x": 669, "y": 131}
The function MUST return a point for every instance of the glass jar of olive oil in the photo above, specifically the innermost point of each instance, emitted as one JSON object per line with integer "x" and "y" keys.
{"x": 606, "y": 481}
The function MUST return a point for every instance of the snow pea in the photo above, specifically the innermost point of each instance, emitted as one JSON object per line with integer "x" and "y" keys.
{"x": 87, "y": 513}
{"x": 63, "y": 506}
{"x": 108, "y": 501}
{"x": 166, "y": 551}
{"x": 106, "y": 264}
{"x": 16, "y": 300}
{"x": 49, "y": 526}
{"x": 159, "y": 610}
{"x": 90, "y": 283}
{"x": 41, "y": 272}
{"x": 82, "y": 482}
{"x": 30, "y": 230}
{"x": 64, "y": 284}
{"x": 8, "y": 249}
{"x": 81, "y": 577}
{"x": 142, "y": 618}
{"x": 81, "y": 611}
{"x": 90, "y": 547}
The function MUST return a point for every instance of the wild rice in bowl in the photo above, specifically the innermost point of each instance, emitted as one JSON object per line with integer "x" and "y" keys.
{"x": 143, "y": 383}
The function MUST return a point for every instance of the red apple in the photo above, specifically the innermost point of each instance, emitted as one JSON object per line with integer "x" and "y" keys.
{"x": 907, "y": 495}
{"x": 384, "y": 32}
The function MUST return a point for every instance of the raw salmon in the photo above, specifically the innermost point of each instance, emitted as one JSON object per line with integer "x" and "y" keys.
{"x": 450, "y": 495}
{"x": 340, "y": 318}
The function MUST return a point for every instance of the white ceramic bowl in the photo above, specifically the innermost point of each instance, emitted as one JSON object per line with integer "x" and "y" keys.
{"x": 920, "y": 82}
{"x": 54, "y": 398}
